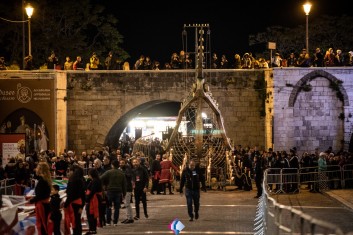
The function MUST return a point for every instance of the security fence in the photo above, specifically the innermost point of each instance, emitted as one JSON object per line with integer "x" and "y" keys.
{"x": 274, "y": 218}
{"x": 7, "y": 186}
{"x": 291, "y": 180}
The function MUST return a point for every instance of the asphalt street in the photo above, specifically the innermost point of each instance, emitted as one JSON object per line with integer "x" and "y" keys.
{"x": 232, "y": 212}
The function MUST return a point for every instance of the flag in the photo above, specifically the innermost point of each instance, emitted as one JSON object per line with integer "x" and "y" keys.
{"x": 8, "y": 219}
{"x": 62, "y": 183}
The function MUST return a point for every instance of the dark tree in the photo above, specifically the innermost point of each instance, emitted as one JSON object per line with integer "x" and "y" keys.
{"x": 324, "y": 32}
{"x": 70, "y": 28}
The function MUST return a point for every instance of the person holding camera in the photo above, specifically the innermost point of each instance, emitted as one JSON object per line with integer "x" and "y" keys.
{"x": 94, "y": 62}
{"x": 2, "y": 63}
{"x": 191, "y": 178}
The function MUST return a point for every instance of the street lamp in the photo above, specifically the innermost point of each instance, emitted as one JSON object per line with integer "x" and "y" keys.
{"x": 307, "y": 7}
{"x": 29, "y": 11}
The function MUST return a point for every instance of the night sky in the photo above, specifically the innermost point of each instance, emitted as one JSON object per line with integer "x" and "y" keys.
{"x": 155, "y": 29}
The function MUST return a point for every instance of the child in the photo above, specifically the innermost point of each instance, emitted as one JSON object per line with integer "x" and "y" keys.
{"x": 55, "y": 216}
{"x": 102, "y": 209}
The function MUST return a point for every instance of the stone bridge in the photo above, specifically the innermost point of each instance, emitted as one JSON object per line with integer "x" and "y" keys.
{"x": 100, "y": 105}
{"x": 279, "y": 108}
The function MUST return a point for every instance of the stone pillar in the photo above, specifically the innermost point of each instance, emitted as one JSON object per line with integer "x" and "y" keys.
{"x": 61, "y": 111}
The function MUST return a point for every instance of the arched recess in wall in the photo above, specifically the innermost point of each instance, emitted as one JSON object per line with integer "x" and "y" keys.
{"x": 25, "y": 121}
{"x": 112, "y": 138}
{"x": 311, "y": 76}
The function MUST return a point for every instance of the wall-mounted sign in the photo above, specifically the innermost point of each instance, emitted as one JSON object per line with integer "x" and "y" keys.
{"x": 28, "y": 107}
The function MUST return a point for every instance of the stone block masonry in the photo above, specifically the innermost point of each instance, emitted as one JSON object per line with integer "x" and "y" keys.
{"x": 102, "y": 98}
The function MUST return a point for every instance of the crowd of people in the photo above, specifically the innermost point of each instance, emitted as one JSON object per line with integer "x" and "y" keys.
{"x": 307, "y": 166}
{"x": 99, "y": 182}
{"x": 183, "y": 60}
{"x": 107, "y": 181}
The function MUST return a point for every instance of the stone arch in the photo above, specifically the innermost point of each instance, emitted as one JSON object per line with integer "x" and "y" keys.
{"x": 31, "y": 122}
{"x": 119, "y": 126}
{"x": 311, "y": 76}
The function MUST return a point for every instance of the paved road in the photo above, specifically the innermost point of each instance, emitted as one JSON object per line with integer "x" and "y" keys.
{"x": 334, "y": 206}
{"x": 232, "y": 212}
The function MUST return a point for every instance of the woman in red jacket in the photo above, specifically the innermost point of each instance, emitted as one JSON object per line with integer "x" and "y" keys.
{"x": 166, "y": 174}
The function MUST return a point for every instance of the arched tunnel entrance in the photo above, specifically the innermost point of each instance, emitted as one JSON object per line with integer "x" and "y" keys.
{"x": 155, "y": 108}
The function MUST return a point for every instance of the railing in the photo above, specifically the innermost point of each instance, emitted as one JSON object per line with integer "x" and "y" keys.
{"x": 275, "y": 219}
{"x": 285, "y": 180}
{"x": 6, "y": 186}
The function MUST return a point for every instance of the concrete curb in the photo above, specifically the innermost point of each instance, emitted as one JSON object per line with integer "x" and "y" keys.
{"x": 343, "y": 196}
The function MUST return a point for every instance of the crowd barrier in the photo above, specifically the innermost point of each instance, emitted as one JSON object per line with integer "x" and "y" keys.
{"x": 7, "y": 186}
{"x": 291, "y": 180}
{"x": 274, "y": 218}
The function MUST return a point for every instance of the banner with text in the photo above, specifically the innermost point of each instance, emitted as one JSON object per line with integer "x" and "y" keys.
{"x": 28, "y": 106}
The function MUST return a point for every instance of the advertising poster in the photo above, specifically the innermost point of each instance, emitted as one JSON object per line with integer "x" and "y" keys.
{"x": 27, "y": 107}
{"x": 11, "y": 145}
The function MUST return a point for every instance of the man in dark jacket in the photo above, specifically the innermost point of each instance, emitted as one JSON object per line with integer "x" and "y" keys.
{"x": 115, "y": 182}
{"x": 259, "y": 174}
{"x": 156, "y": 174}
{"x": 126, "y": 168}
{"x": 141, "y": 180}
{"x": 191, "y": 178}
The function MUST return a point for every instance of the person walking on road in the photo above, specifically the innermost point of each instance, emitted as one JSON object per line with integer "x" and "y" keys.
{"x": 191, "y": 178}
{"x": 166, "y": 177}
{"x": 115, "y": 182}
{"x": 140, "y": 181}
{"x": 126, "y": 168}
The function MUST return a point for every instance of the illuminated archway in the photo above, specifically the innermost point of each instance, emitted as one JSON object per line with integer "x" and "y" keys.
{"x": 112, "y": 138}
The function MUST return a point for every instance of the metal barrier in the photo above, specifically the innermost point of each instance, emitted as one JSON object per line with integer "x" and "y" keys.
{"x": 6, "y": 186}
{"x": 347, "y": 176}
{"x": 275, "y": 219}
{"x": 285, "y": 180}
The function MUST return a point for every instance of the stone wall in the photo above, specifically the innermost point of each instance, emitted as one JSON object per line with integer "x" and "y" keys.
{"x": 312, "y": 108}
{"x": 282, "y": 108}
{"x": 96, "y": 101}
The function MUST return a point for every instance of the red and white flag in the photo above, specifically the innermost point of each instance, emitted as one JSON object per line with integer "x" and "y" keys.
{"x": 8, "y": 219}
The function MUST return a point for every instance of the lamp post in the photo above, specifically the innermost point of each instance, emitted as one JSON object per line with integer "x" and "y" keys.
{"x": 29, "y": 11}
{"x": 307, "y": 7}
